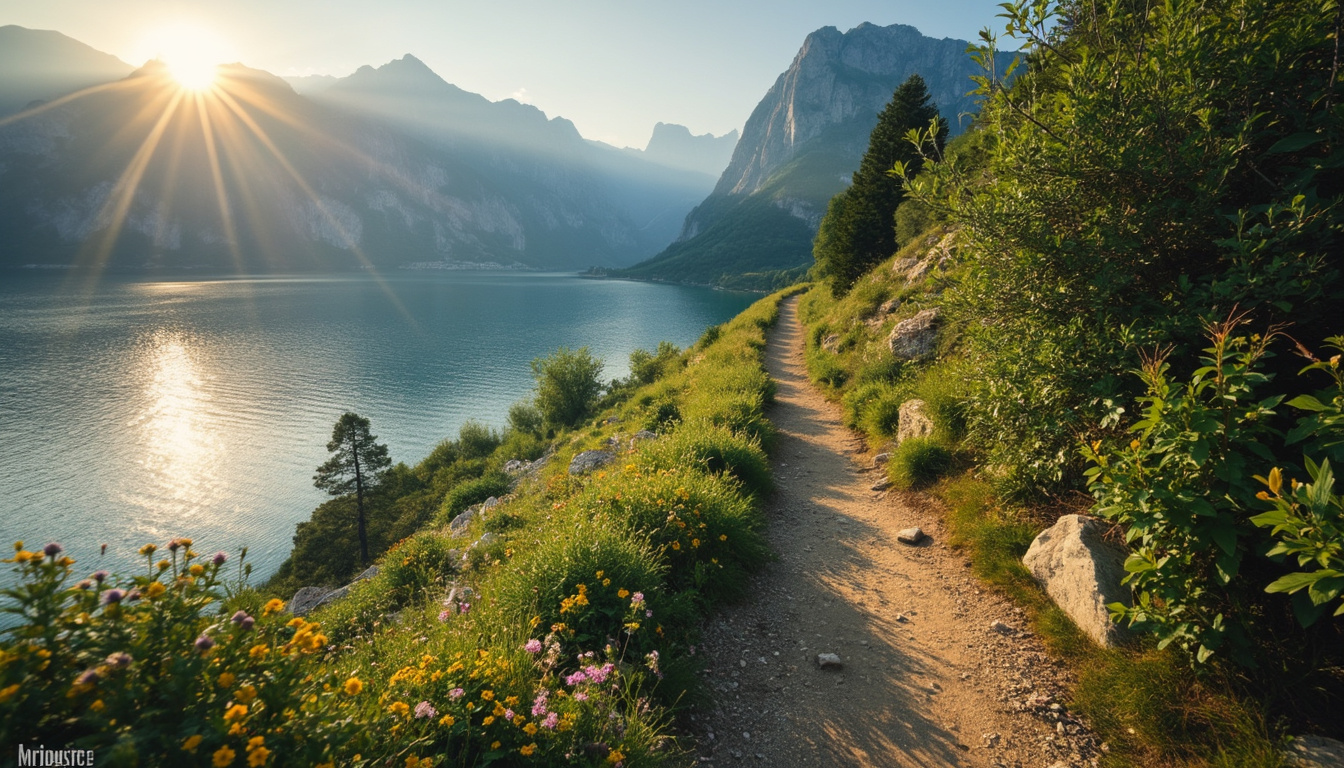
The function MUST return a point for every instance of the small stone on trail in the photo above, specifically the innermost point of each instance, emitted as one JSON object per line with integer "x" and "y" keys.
{"x": 1000, "y": 627}
{"x": 881, "y": 458}
{"x": 990, "y": 739}
{"x": 882, "y": 484}
{"x": 910, "y": 536}
{"x": 829, "y": 661}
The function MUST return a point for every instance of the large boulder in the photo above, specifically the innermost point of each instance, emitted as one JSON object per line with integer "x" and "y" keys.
{"x": 1082, "y": 573}
{"x": 916, "y": 337}
{"x": 306, "y": 599}
{"x": 590, "y": 460}
{"x": 913, "y": 421}
{"x": 1315, "y": 752}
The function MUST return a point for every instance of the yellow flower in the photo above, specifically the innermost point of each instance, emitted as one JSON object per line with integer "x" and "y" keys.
{"x": 527, "y": 750}
{"x": 676, "y": 545}
{"x": 328, "y": 764}
{"x": 695, "y": 542}
{"x": 447, "y": 721}
{"x": 224, "y": 756}
{"x": 148, "y": 549}
{"x": 254, "y": 742}
{"x": 606, "y": 582}
{"x": 246, "y": 694}
{"x": 488, "y": 694}
{"x": 615, "y": 756}
{"x": 226, "y": 679}
{"x": 510, "y": 701}
{"x": 622, "y": 593}
{"x": 192, "y": 743}
{"x": 274, "y": 605}
{"x": 494, "y": 745}
{"x": 196, "y": 569}
{"x": 236, "y": 712}
{"x": 498, "y": 710}
{"x": 258, "y": 651}
{"x": 399, "y": 708}
{"x": 353, "y": 686}
{"x": 257, "y": 757}
{"x": 97, "y": 706}
{"x": 530, "y": 729}
{"x": 237, "y": 729}
{"x": 489, "y": 720}
{"x": 723, "y": 537}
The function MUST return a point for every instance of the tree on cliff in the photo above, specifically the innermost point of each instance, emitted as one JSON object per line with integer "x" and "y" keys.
{"x": 358, "y": 463}
{"x": 858, "y": 230}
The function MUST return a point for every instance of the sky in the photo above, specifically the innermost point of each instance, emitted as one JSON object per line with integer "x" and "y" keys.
{"x": 613, "y": 67}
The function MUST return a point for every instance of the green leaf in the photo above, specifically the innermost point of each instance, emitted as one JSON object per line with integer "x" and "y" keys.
{"x": 1293, "y": 582}
{"x": 1294, "y": 143}
{"x": 1326, "y": 588}
{"x": 1306, "y": 403}
{"x": 1225, "y": 536}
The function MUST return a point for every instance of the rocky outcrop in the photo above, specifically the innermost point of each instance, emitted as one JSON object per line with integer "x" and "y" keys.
{"x": 831, "y": 342}
{"x": 913, "y": 421}
{"x": 309, "y": 599}
{"x": 641, "y": 436}
{"x": 1315, "y": 752}
{"x": 915, "y": 338}
{"x": 589, "y": 460}
{"x": 1082, "y": 573}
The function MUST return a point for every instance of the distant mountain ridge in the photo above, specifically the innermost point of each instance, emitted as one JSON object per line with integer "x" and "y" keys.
{"x": 799, "y": 147}
{"x": 40, "y": 65}
{"x": 391, "y": 166}
{"x": 673, "y": 145}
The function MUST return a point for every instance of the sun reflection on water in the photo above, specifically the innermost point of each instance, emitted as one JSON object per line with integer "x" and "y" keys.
{"x": 178, "y": 442}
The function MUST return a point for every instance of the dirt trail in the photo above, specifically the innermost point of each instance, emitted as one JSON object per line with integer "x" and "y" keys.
{"x": 925, "y": 682}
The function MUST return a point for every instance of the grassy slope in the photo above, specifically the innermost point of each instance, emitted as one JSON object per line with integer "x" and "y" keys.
{"x": 1146, "y": 704}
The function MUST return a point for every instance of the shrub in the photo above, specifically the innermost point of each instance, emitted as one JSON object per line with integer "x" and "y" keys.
{"x": 524, "y": 417}
{"x": 472, "y": 492}
{"x": 882, "y": 415}
{"x": 568, "y": 384}
{"x": 716, "y": 450}
{"x": 646, "y": 367}
{"x": 917, "y": 463}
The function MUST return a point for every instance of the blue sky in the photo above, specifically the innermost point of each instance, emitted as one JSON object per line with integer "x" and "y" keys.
{"x": 614, "y": 67}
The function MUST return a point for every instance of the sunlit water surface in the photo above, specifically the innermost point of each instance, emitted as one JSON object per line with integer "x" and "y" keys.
{"x": 138, "y": 411}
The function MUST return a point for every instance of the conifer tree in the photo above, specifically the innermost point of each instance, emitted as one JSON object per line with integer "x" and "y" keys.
{"x": 858, "y": 228}
{"x": 358, "y": 463}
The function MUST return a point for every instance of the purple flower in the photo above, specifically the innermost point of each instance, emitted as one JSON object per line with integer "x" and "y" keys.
{"x": 551, "y": 721}
{"x": 120, "y": 659}
{"x": 456, "y": 694}
{"x": 580, "y": 696}
{"x": 220, "y": 558}
{"x": 576, "y": 678}
{"x": 84, "y": 584}
{"x": 52, "y": 550}
{"x": 89, "y": 677}
{"x": 648, "y": 614}
{"x": 425, "y": 709}
{"x": 113, "y": 596}
{"x": 533, "y": 646}
{"x": 539, "y": 703}
{"x": 444, "y": 615}
{"x": 508, "y": 715}
{"x": 637, "y": 598}
{"x": 239, "y": 617}
{"x": 247, "y": 622}
{"x": 204, "y": 643}
{"x": 99, "y": 576}
{"x": 464, "y": 607}
{"x": 599, "y": 674}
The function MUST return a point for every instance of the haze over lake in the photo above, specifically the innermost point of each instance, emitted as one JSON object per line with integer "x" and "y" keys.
{"x": 142, "y": 410}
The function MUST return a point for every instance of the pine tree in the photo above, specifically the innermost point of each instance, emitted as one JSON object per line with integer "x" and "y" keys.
{"x": 858, "y": 227}
{"x": 358, "y": 463}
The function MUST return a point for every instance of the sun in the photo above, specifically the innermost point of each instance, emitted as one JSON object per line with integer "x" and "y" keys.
{"x": 191, "y": 53}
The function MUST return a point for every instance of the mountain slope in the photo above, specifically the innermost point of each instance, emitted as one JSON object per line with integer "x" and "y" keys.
{"x": 40, "y": 65}
{"x": 674, "y": 146}
{"x": 799, "y": 147}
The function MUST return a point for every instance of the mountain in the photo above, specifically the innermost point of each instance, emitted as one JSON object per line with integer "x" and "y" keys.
{"x": 674, "y": 146}
{"x": 799, "y": 147}
{"x": 310, "y": 84}
{"x": 40, "y": 65}
{"x": 389, "y": 167}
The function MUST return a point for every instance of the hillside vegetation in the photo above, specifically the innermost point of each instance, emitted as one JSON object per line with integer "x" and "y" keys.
{"x": 556, "y": 626}
{"x": 1126, "y": 302}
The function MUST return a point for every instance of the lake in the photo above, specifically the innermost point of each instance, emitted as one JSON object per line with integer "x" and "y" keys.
{"x": 137, "y": 410}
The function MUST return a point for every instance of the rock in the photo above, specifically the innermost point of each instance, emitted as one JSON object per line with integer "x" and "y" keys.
{"x": 903, "y": 266}
{"x": 888, "y": 306}
{"x": 915, "y": 338}
{"x": 913, "y": 421}
{"x": 881, "y": 459}
{"x": 515, "y": 466}
{"x": 1001, "y": 628}
{"x": 487, "y": 538}
{"x": 460, "y": 523}
{"x": 1082, "y": 573}
{"x": 613, "y": 420}
{"x": 641, "y": 436}
{"x": 831, "y": 343}
{"x": 829, "y": 661}
{"x": 337, "y": 594}
{"x": 910, "y": 536}
{"x": 920, "y": 270}
{"x": 489, "y": 503}
{"x": 1315, "y": 752}
{"x": 590, "y": 460}
{"x": 306, "y": 599}
{"x": 882, "y": 484}
{"x": 368, "y": 573}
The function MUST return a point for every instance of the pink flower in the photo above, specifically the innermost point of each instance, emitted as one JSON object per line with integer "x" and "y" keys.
{"x": 508, "y": 715}
{"x": 464, "y": 607}
{"x": 444, "y": 615}
{"x": 539, "y": 703}
{"x": 456, "y": 694}
{"x": 533, "y": 646}
{"x": 580, "y": 696}
{"x": 637, "y": 598}
{"x": 551, "y": 721}
{"x": 576, "y": 678}
{"x": 425, "y": 709}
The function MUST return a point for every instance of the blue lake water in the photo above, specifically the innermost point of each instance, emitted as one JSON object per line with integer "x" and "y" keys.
{"x": 137, "y": 410}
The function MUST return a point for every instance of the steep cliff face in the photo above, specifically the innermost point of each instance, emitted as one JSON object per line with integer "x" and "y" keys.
{"x": 800, "y": 146}
{"x": 674, "y": 146}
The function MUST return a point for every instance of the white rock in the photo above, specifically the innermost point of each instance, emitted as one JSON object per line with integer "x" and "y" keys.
{"x": 910, "y": 536}
{"x": 1082, "y": 573}
{"x": 882, "y": 484}
{"x": 829, "y": 661}
{"x": 881, "y": 459}
{"x": 916, "y": 337}
{"x": 913, "y": 421}
{"x": 1315, "y": 752}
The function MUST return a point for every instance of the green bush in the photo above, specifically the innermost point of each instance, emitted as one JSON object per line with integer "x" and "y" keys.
{"x": 711, "y": 449}
{"x": 476, "y": 440}
{"x": 647, "y": 367}
{"x": 472, "y": 492}
{"x": 882, "y": 415}
{"x": 917, "y": 463}
{"x": 568, "y": 384}
{"x": 525, "y": 418}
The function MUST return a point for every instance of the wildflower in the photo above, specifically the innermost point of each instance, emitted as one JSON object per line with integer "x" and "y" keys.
{"x": 488, "y": 695}
{"x": 156, "y": 590}
{"x": 133, "y": 595}
{"x": 648, "y": 614}
{"x": 196, "y": 569}
{"x": 580, "y": 696}
{"x": 533, "y": 646}
{"x": 246, "y": 694}
{"x": 464, "y": 607}
{"x": 113, "y": 596}
{"x": 508, "y": 715}
{"x": 550, "y": 722}
{"x": 637, "y": 598}
{"x": 84, "y": 585}
{"x": 723, "y": 537}
{"x": 399, "y": 708}
{"x": 174, "y": 545}
{"x": 52, "y": 550}
{"x": 354, "y": 685}
{"x": 8, "y": 692}
{"x": 489, "y": 720}
{"x": 575, "y": 678}
{"x": 616, "y": 756}
{"x": 447, "y": 721}
{"x": 328, "y": 764}
{"x": 695, "y": 542}
{"x": 257, "y": 757}
{"x": 530, "y": 729}
{"x": 97, "y": 706}
{"x": 99, "y": 576}
{"x": 239, "y": 617}
{"x": 225, "y": 679}
{"x": 223, "y": 756}
{"x": 425, "y": 710}
{"x": 273, "y": 605}
{"x": 676, "y": 545}
{"x": 494, "y": 745}
{"x": 622, "y": 593}
{"x": 120, "y": 660}
{"x": 89, "y": 677}
{"x": 539, "y": 704}
{"x": 204, "y": 642}
{"x": 258, "y": 651}
{"x": 235, "y": 712}
{"x": 456, "y": 694}
{"x": 527, "y": 750}
{"x": 444, "y": 615}
{"x": 162, "y": 565}
{"x": 192, "y": 743}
